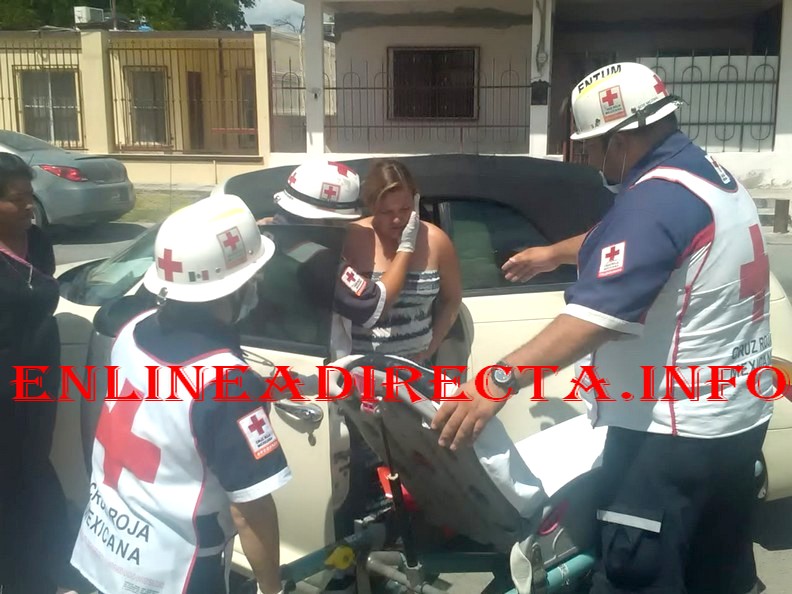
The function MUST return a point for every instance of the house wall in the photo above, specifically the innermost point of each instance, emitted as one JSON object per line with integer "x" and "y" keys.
{"x": 581, "y": 47}
{"x": 288, "y": 90}
{"x": 728, "y": 65}
{"x": 502, "y": 34}
{"x": 210, "y": 120}
{"x": 20, "y": 53}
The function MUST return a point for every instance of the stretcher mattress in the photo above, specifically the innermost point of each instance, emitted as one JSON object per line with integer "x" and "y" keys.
{"x": 494, "y": 492}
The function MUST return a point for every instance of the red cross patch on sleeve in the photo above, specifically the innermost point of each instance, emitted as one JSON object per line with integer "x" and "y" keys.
{"x": 258, "y": 433}
{"x": 355, "y": 282}
{"x": 612, "y": 259}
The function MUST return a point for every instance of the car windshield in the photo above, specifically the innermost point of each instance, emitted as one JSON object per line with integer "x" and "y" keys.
{"x": 112, "y": 278}
{"x": 23, "y": 143}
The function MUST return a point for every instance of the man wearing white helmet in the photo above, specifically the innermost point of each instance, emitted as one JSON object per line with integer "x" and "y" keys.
{"x": 182, "y": 465}
{"x": 676, "y": 274}
{"x": 324, "y": 192}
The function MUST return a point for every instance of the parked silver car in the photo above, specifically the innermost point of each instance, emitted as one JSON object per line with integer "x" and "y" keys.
{"x": 72, "y": 189}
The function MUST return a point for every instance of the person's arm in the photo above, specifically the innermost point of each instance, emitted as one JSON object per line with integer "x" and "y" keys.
{"x": 450, "y": 296}
{"x": 623, "y": 270}
{"x": 532, "y": 261}
{"x": 257, "y": 524}
{"x": 565, "y": 340}
{"x": 364, "y": 301}
{"x": 241, "y": 449}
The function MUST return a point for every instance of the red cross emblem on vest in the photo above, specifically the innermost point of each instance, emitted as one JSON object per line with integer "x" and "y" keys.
{"x": 123, "y": 450}
{"x": 755, "y": 276}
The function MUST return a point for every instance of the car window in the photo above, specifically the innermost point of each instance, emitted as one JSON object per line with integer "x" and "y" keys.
{"x": 485, "y": 235}
{"x": 295, "y": 290}
{"x": 24, "y": 143}
{"x": 99, "y": 283}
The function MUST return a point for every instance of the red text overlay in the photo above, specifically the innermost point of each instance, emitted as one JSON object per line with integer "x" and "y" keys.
{"x": 391, "y": 384}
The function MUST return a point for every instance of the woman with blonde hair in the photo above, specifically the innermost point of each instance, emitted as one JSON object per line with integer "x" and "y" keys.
{"x": 418, "y": 321}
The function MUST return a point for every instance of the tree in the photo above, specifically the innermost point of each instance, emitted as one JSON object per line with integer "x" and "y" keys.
{"x": 288, "y": 23}
{"x": 161, "y": 14}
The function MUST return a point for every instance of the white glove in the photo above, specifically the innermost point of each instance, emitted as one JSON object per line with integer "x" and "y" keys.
{"x": 410, "y": 232}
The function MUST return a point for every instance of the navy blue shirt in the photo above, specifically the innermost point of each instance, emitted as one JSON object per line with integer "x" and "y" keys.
{"x": 629, "y": 256}
{"x": 178, "y": 340}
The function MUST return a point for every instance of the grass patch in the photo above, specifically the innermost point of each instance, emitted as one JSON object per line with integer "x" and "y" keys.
{"x": 155, "y": 206}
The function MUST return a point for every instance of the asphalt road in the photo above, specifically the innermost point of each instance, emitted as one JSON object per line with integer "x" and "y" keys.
{"x": 773, "y": 534}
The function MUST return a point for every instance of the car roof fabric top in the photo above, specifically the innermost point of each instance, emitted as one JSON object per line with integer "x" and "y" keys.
{"x": 561, "y": 199}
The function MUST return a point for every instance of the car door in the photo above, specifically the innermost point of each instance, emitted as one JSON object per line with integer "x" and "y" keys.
{"x": 505, "y": 315}
{"x": 290, "y": 327}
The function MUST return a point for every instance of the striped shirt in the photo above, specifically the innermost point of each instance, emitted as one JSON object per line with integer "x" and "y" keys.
{"x": 406, "y": 328}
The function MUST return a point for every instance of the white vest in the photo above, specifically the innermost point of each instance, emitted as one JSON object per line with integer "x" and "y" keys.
{"x": 712, "y": 312}
{"x": 148, "y": 483}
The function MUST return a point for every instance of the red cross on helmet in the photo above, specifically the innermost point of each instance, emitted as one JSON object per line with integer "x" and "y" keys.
{"x": 321, "y": 190}
{"x": 207, "y": 250}
{"x": 621, "y": 96}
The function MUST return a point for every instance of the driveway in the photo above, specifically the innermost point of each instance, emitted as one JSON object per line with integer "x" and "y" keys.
{"x": 773, "y": 535}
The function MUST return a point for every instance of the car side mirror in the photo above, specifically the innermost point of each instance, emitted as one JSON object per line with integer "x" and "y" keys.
{"x": 112, "y": 316}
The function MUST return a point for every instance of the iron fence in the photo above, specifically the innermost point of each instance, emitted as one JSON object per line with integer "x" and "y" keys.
{"x": 184, "y": 95}
{"x": 40, "y": 87}
{"x": 730, "y": 100}
{"x": 374, "y": 109}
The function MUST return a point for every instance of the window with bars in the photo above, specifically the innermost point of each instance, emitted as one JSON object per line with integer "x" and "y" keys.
{"x": 50, "y": 110}
{"x": 148, "y": 103}
{"x": 433, "y": 83}
{"x": 246, "y": 92}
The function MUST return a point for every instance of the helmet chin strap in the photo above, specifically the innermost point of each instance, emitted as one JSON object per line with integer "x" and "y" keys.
{"x": 605, "y": 159}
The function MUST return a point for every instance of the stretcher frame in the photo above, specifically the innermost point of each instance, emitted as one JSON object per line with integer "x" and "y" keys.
{"x": 552, "y": 552}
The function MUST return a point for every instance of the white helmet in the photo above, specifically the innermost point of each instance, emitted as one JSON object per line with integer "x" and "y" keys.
{"x": 321, "y": 190}
{"x": 621, "y": 96}
{"x": 207, "y": 250}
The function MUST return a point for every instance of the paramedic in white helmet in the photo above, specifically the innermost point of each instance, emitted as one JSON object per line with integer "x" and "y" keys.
{"x": 675, "y": 274}
{"x": 174, "y": 481}
{"x": 325, "y": 192}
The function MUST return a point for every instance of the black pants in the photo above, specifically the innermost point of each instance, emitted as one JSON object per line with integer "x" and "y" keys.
{"x": 35, "y": 538}
{"x": 678, "y": 513}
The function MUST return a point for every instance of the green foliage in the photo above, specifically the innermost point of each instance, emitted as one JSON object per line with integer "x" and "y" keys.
{"x": 161, "y": 14}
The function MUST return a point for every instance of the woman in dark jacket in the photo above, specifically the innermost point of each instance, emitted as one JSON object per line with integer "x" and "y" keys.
{"x": 34, "y": 539}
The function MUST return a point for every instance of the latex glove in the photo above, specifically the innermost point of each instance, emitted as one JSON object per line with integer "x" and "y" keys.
{"x": 410, "y": 232}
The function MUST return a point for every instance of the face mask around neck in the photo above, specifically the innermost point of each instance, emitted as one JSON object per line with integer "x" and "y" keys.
{"x": 249, "y": 300}
{"x": 612, "y": 188}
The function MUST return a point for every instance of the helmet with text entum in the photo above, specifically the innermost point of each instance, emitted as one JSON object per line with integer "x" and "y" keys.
{"x": 321, "y": 189}
{"x": 622, "y": 96}
{"x": 207, "y": 250}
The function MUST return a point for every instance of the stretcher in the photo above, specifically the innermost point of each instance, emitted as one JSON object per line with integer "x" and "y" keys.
{"x": 523, "y": 512}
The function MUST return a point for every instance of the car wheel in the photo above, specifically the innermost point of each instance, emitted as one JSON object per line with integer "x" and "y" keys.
{"x": 39, "y": 216}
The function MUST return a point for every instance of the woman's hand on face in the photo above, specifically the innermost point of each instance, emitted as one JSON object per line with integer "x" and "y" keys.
{"x": 410, "y": 234}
